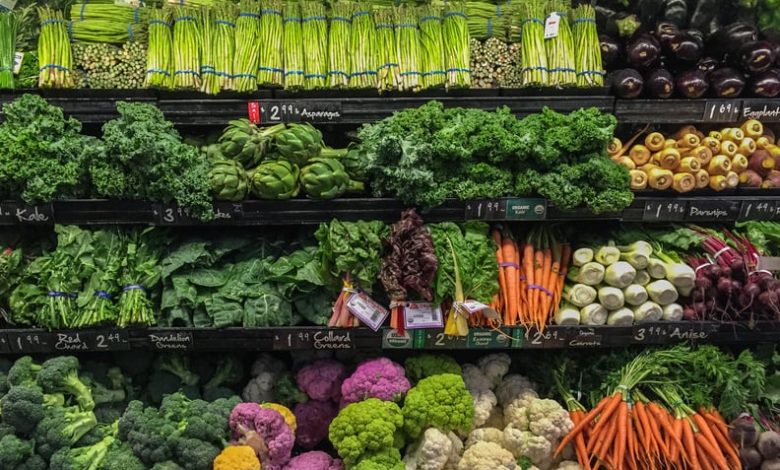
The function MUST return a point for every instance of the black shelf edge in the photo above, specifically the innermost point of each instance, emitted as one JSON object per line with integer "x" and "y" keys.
{"x": 38, "y": 341}
{"x": 684, "y": 111}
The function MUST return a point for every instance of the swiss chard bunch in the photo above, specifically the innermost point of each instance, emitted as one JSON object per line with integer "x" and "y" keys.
{"x": 140, "y": 274}
{"x": 96, "y": 303}
{"x": 43, "y": 152}
{"x": 142, "y": 156}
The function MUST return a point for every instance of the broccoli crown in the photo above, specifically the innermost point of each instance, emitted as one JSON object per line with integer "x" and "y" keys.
{"x": 62, "y": 427}
{"x": 179, "y": 366}
{"x": 425, "y": 365}
{"x": 199, "y": 419}
{"x": 194, "y": 454}
{"x": 120, "y": 457}
{"x": 102, "y": 394}
{"x": 167, "y": 465}
{"x": 286, "y": 391}
{"x": 14, "y": 451}
{"x": 148, "y": 432}
{"x": 365, "y": 428}
{"x": 439, "y": 401}
{"x": 22, "y": 408}
{"x": 34, "y": 462}
{"x": 61, "y": 375}
{"x": 79, "y": 458}
{"x": 96, "y": 434}
{"x": 23, "y": 372}
{"x": 109, "y": 413}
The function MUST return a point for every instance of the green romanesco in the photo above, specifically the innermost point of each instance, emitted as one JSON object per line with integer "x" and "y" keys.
{"x": 362, "y": 430}
{"x": 386, "y": 460}
{"x": 425, "y": 365}
{"x": 440, "y": 401}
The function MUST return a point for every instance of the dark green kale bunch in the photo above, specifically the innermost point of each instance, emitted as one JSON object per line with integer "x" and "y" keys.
{"x": 42, "y": 156}
{"x": 143, "y": 157}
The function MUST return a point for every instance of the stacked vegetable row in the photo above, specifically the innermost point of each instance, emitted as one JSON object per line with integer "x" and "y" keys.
{"x": 689, "y": 159}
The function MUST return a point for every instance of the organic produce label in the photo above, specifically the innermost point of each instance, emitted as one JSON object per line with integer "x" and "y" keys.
{"x": 392, "y": 339}
{"x": 18, "y": 58}
{"x": 367, "y": 310}
{"x": 487, "y": 339}
{"x": 526, "y": 209}
{"x": 422, "y": 315}
{"x": 551, "y": 26}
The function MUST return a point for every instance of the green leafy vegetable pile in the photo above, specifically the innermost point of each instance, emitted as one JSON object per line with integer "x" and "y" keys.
{"x": 428, "y": 154}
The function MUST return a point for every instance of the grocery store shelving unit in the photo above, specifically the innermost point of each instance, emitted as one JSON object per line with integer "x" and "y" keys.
{"x": 94, "y": 107}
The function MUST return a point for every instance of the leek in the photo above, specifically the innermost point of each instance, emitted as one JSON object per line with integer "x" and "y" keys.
{"x": 590, "y": 274}
{"x": 635, "y": 294}
{"x": 607, "y": 255}
{"x": 620, "y": 274}
{"x": 580, "y": 295}
{"x": 622, "y": 317}
{"x": 637, "y": 254}
{"x": 568, "y": 315}
{"x": 662, "y": 292}
{"x": 582, "y": 256}
{"x": 673, "y": 312}
{"x": 611, "y": 298}
{"x": 648, "y": 312}
{"x": 642, "y": 278}
{"x": 593, "y": 314}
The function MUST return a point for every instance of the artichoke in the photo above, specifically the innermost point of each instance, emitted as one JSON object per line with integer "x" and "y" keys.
{"x": 275, "y": 180}
{"x": 228, "y": 181}
{"x": 326, "y": 178}
{"x": 355, "y": 162}
{"x": 245, "y": 143}
{"x": 298, "y": 143}
{"x": 212, "y": 152}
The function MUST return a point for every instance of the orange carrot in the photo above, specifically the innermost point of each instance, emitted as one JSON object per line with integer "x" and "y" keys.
{"x": 547, "y": 287}
{"x": 528, "y": 270}
{"x": 538, "y": 280}
{"x": 579, "y": 442}
{"x": 690, "y": 446}
{"x": 502, "y": 281}
{"x": 726, "y": 446}
{"x": 586, "y": 421}
{"x": 631, "y": 457}
{"x": 509, "y": 256}
{"x": 656, "y": 419}
{"x": 615, "y": 401}
{"x": 622, "y": 424}
{"x": 711, "y": 451}
{"x": 605, "y": 441}
{"x": 703, "y": 459}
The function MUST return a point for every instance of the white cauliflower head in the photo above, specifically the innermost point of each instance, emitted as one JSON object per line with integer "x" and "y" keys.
{"x": 260, "y": 388}
{"x": 496, "y": 419}
{"x": 493, "y": 435}
{"x": 474, "y": 378}
{"x": 549, "y": 419}
{"x": 484, "y": 402}
{"x": 495, "y": 367}
{"x": 487, "y": 456}
{"x": 516, "y": 412}
{"x": 511, "y": 387}
{"x": 526, "y": 444}
{"x": 434, "y": 451}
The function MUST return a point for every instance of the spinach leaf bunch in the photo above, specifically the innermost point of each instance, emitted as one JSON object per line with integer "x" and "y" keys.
{"x": 142, "y": 156}
{"x": 43, "y": 152}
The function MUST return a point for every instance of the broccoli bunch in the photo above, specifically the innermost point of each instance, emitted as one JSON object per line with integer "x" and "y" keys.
{"x": 190, "y": 433}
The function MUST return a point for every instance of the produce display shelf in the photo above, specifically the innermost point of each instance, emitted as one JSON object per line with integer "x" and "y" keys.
{"x": 647, "y": 207}
{"x": 331, "y": 106}
{"x": 682, "y": 111}
{"x": 38, "y": 341}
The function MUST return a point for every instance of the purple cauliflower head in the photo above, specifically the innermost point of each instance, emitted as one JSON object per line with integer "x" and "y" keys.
{"x": 277, "y": 437}
{"x": 242, "y": 419}
{"x": 376, "y": 378}
{"x": 321, "y": 380}
{"x": 314, "y": 419}
{"x": 314, "y": 460}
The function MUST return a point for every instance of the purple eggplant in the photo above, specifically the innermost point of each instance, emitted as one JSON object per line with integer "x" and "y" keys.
{"x": 665, "y": 33}
{"x": 627, "y": 83}
{"x": 692, "y": 83}
{"x": 643, "y": 51}
{"x": 757, "y": 56}
{"x": 727, "y": 82}
{"x": 766, "y": 84}
{"x": 611, "y": 51}
{"x": 707, "y": 64}
{"x": 686, "y": 48}
{"x": 726, "y": 41}
{"x": 660, "y": 83}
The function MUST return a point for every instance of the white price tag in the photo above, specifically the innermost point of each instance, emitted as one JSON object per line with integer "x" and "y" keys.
{"x": 18, "y": 58}
{"x": 367, "y": 310}
{"x": 551, "y": 26}
{"x": 422, "y": 315}
{"x": 472, "y": 306}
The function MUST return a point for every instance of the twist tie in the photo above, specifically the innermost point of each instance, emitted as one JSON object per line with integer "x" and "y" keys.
{"x": 534, "y": 286}
{"x": 59, "y": 294}
{"x": 702, "y": 266}
{"x": 397, "y": 303}
{"x": 509, "y": 264}
{"x": 721, "y": 252}
{"x": 54, "y": 66}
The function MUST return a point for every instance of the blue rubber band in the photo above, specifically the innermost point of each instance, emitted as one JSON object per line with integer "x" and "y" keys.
{"x": 248, "y": 15}
{"x": 455, "y": 13}
{"x": 584, "y": 20}
{"x": 292, "y": 19}
{"x": 103, "y": 294}
{"x": 591, "y": 72}
{"x": 314, "y": 18}
{"x": 340, "y": 18}
{"x": 51, "y": 21}
{"x": 264, "y": 68}
{"x": 407, "y": 25}
{"x": 5, "y": 69}
{"x": 338, "y": 72}
{"x": 498, "y": 10}
{"x": 271, "y": 11}
{"x": 129, "y": 32}
{"x": 130, "y": 287}
{"x": 532, "y": 20}
{"x": 429, "y": 18}
{"x": 314, "y": 75}
{"x": 360, "y": 74}
{"x": 81, "y": 12}
{"x": 458, "y": 70}
{"x": 245, "y": 75}
{"x": 293, "y": 72}
{"x": 384, "y": 26}
{"x": 225, "y": 23}
{"x": 562, "y": 69}
{"x": 404, "y": 74}
{"x": 534, "y": 68}
{"x": 490, "y": 27}
{"x": 184, "y": 18}
{"x": 164, "y": 72}
{"x": 160, "y": 22}
{"x": 186, "y": 72}
{"x": 360, "y": 13}
{"x": 388, "y": 65}
{"x": 54, "y": 66}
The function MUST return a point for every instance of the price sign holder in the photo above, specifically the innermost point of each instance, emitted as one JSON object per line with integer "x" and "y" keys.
{"x": 30, "y": 343}
{"x": 721, "y": 110}
{"x": 525, "y": 209}
{"x": 664, "y": 210}
{"x": 487, "y": 339}
{"x": 171, "y": 340}
{"x": 436, "y": 339}
{"x": 712, "y": 210}
{"x": 291, "y": 111}
{"x": 759, "y": 210}
{"x": 312, "y": 339}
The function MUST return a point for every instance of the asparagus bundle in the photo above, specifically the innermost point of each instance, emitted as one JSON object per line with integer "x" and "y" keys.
{"x": 55, "y": 58}
{"x": 107, "y": 66}
{"x": 432, "y": 45}
{"x": 587, "y": 52}
{"x": 108, "y": 31}
{"x": 186, "y": 49}
{"x": 270, "y": 71}
{"x": 408, "y": 44}
{"x": 361, "y": 45}
{"x": 82, "y": 11}
{"x": 208, "y": 72}
{"x": 560, "y": 49}
{"x": 159, "y": 65}
{"x": 223, "y": 43}
{"x": 387, "y": 72}
{"x": 456, "y": 46}
{"x": 7, "y": 49}
{"x": 293, "y": 47}
{"x": 338, "y": 44}
{"x": 248, "y": 46}
{"x": 534, "y": 55}
{"x": 315, "y": 46}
